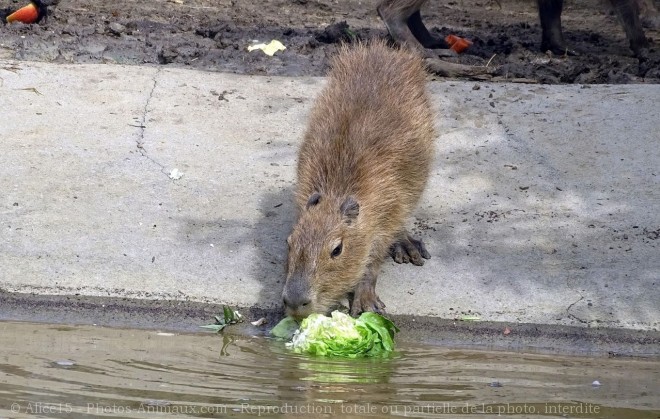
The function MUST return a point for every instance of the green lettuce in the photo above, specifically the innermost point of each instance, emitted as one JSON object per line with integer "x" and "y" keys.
{"x": 340, "y": 335}
{"x": 230, "y": 316}
{"x": 285, "y": 329}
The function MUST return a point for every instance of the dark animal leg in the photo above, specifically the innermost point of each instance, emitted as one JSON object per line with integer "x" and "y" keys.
{"x": 628, "y": 13}
{"x": 552, "y": 38}
{"x": 422, "y": 34}
{"x": 404, "y": 24}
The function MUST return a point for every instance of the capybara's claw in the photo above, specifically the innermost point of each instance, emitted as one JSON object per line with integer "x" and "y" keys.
{"x": 409, "y": 249}
{"x": 366, "y": 301}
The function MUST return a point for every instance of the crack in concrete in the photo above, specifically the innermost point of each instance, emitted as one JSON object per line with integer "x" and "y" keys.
{"x": 142, "y": 125}
{"x": 568, "y": 309}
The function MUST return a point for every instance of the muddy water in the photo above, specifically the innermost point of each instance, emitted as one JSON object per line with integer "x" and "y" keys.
{"x": 61, "y": 371}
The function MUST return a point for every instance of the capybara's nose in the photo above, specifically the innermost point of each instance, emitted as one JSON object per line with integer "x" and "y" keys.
{"x": 295, "y": 301}
{"x": 296, "y": 294}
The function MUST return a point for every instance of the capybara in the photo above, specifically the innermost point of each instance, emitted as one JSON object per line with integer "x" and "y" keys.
{"x": 404, "y": 23}
{"x": 362, "y": 167}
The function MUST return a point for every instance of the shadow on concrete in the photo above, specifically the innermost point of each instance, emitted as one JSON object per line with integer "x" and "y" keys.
{"x": 260, "y": 245}
{"x": 524, "y": 232}
{"x": 270, "y": 233}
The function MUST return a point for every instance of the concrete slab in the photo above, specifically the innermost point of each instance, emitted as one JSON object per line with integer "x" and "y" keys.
{"x": 542, "y": 207}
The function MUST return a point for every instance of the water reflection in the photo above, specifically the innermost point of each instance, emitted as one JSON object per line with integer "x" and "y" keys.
{"x": 86, "y": 371}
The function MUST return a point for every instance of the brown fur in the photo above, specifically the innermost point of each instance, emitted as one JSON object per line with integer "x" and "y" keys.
{"x": 369, "y": 142}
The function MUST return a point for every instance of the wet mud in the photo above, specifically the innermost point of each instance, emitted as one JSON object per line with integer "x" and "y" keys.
{"x": 214, "y": 35}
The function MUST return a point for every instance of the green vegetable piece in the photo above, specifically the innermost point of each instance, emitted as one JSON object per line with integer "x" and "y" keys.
{"x": 285, "y": 328}
{"x": 340, "y": 335}
{"x": 230, "y": 316}
{"x": 214, "y": 327}
{"x": 383, "y": 326}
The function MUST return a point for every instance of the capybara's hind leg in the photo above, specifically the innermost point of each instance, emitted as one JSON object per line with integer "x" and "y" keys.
{"x": 409, "y": 249}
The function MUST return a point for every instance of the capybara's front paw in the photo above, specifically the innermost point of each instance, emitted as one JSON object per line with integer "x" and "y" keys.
{"x": 365, "y": 299}
{"x": 408, "y": 249}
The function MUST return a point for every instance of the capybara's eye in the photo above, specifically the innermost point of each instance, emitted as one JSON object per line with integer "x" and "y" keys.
{"x": 336, "y": 251}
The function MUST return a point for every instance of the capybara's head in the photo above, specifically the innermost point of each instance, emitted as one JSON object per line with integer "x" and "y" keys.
{"x": 327, "y": 257}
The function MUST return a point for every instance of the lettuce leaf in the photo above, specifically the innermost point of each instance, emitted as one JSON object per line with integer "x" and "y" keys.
{"x": 340, "y": 335}
{"x": 285, "y": 328}
{"x": 230, "y": 316}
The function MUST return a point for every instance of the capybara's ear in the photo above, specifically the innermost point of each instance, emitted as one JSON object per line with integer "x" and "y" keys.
{"x": 313, "y": 199}
{"x": 350, "y": 209}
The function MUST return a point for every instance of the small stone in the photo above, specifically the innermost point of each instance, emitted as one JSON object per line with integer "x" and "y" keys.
{"x": 259, "y": 322}
{"x": 117, "y": 28}
{"x": 167, "y": 55}
{"x": 65, "y": 363}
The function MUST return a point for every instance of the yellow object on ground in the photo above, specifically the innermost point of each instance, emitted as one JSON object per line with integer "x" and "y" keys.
{"x": 270, "y": 48}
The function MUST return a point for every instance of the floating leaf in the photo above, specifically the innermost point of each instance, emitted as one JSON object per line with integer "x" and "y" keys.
{"x": 285, "y": 328}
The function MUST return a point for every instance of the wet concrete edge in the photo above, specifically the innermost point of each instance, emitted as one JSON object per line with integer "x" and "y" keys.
{"x": 187, "y": 316}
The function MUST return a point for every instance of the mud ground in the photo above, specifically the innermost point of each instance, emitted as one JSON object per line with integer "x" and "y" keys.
{"x": 214, "y": 34}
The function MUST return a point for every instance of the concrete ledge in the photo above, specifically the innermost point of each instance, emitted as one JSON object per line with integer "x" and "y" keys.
{"x": 187, "y": 316}
{"x": 542, "y": 208}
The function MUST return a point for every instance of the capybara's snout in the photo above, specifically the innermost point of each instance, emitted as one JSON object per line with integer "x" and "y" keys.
{"x": 297, "y": 297}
